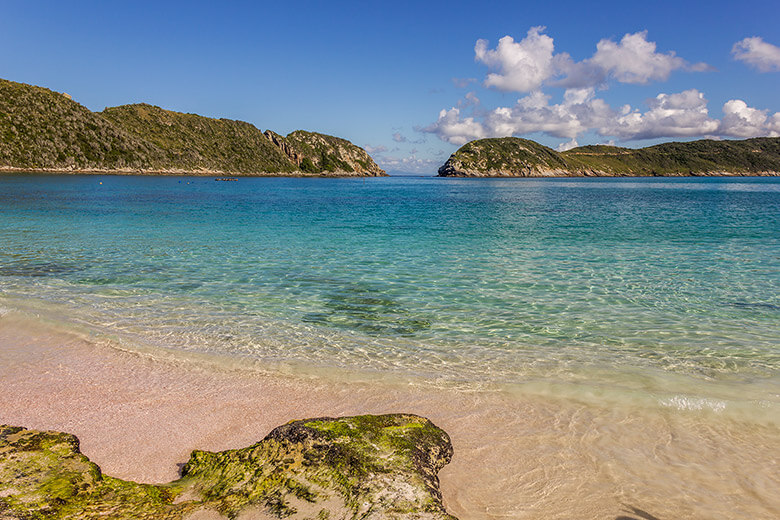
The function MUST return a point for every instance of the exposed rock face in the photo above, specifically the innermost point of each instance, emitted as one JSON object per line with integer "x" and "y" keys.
{"x": 313, "y": 152}
{"x": 284, "y": 146}
{"x": 368, "y": 467}
{"x": 515, "y": 157}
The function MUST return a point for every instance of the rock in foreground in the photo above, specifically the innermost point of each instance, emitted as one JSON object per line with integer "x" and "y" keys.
{"x": 368, "y": 467}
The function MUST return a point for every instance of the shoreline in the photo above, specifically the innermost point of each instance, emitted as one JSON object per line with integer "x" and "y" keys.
{"x": 338, "y": 175}
{"x": 138, "y": 418}
{"x": 606, "y": 175}
{"x": 174, "y": 173}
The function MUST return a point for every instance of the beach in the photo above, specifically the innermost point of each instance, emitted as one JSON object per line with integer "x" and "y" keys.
{"x": 138, "y": 416}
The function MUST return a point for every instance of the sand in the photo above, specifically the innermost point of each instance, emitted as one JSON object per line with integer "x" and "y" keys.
{"x": 138, "y": 416}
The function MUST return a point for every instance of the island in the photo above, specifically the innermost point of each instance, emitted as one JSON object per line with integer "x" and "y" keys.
{"x": 46, "y": 131}
{"x": 516, "y": 157}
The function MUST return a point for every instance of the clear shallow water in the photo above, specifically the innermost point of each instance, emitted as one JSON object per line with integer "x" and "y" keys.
{"x": 658, "y": 290}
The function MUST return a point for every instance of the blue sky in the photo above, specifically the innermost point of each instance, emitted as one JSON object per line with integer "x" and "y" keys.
{"x": 387, "y": 76}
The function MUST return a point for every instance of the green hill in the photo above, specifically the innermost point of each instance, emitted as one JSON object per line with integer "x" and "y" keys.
{"x": 193, "y": 142}
{"x": 515, "y": 157}
{"x": 45, "y": 130}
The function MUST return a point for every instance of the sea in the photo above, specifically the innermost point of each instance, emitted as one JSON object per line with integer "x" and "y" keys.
{"x": 657, "y": 297}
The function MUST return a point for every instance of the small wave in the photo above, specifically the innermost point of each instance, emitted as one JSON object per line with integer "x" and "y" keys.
{"x": 682, "y": 402}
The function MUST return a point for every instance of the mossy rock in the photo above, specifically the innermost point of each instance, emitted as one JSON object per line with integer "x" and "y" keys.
{"x": 368, "y": 467}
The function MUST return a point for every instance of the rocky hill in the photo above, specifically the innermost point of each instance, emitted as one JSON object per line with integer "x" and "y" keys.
{"x": 312, "y": 152}
{"x": 515, "y": 157}
{"x": 44, "y": 130}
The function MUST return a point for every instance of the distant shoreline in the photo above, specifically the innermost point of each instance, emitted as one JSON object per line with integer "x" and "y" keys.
{"x": 608, "y": 175}
{"x": 173, "y": 173}
{"x": 217, "y": 173}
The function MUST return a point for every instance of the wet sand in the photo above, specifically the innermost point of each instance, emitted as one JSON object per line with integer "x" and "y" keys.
{"x": 139, "y": 416}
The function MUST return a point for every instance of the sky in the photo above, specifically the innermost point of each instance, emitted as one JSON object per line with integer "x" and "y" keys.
{"x": 413, "y": 81}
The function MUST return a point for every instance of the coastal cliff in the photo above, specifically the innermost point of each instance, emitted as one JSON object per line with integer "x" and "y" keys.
{"x": 43, "y": 130}
{"x": 516, "y": 157}
{"x": 367, "y": 467}
{"x": 312, "y": 152}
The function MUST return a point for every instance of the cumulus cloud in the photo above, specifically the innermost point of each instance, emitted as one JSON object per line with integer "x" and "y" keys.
{"x": 740, "y": 120}
{"x": 526, "y": 65}
{"x": 634, "y": 59}
{"x": 452, "y": 128}
{"x": 671, "y": 115}
{"x": 757, "y": 53}
{"x": 579, "y": 111}
{"x": 523, "y": 66}
{"x": 683, "y": 114}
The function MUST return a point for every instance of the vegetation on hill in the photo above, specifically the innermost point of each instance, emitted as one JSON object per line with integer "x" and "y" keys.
{"x": 750, "y": 156}
{"x": 194, "y": 142}
{"x": 40, "y": 128}
{"x": 515, "y": 157}
{"x": 502, "y": 156}
{"x": 45, "y": 130}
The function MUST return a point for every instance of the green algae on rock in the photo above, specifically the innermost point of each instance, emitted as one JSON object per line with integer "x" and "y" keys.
{"x": 372, "y": 467}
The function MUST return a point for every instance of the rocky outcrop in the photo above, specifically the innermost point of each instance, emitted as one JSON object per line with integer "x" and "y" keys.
{"x": 284, "y": 146}
{"x": 367, "y": 467}
{"x": 313, "y": 152}
{"x": 515, "y": 157}
{"x": 503, "y": 157}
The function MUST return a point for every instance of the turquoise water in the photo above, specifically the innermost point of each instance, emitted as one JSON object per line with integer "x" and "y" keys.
{"x": 662, "y": 286}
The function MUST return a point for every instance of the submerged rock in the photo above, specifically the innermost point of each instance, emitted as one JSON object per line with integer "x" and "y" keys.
{"x": 368, "y": 467}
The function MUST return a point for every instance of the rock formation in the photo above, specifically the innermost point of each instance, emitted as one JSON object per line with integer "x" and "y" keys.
{"x": 367, "y": 467}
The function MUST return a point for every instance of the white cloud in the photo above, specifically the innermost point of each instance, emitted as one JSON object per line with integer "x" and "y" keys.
{"x": 670, "y": 115}
{"x": 398, "y": 138}
{"x": 759, "y": 54}
{"x": 567, "y": 145}
{"x": 523, "y": 65}
{"x": 526, "y": 65}
{"x": 634, "y": 59}
{"x": 410, "y": 163}
{"x": 740, "y": 120}
{"x": 451, "y": 128}
{"x": 579, "y": 111}
{"x": 374, "y": 149}
{"x": 683, "y": 114}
